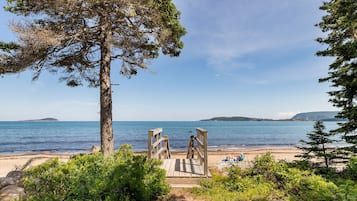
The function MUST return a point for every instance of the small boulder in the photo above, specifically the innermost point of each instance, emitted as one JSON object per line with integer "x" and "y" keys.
{"x": 95, "y": 149}
{"x": 6, "y": 181}
{"x": 12, "y": 192}
{"x": 16, "y": 175}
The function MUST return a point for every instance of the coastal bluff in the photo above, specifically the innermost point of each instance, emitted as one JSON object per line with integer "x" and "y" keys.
{"x": 314, "y": 116}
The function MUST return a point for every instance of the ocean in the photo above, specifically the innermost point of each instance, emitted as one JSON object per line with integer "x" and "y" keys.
{"x": 63, "y": 136}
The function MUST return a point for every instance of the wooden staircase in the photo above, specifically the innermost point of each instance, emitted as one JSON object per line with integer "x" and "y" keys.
{"x": 184, "y": 173}
{"x": 181, "y": 173}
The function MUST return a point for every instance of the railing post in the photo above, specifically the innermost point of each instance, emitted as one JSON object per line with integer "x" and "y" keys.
{"x": 157, "y": 144}
{"x": 167, "y": 147}
{"x": 202, "y": 136}
{"x": 206, "y": 152}
{"x": 150, "y": 133}
{"x": 190, "y": 150}
{"x": 157, "y": 138}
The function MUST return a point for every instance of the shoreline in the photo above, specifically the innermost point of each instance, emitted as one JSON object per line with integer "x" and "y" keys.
{"x": 181, "y": 149}
{"x": 9, "y": 162}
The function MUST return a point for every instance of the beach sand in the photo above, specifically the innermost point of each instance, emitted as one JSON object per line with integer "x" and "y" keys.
{"x": 9, "y": 162}
{"x": 215, "y": 157}
{"x": 12, "y": 162}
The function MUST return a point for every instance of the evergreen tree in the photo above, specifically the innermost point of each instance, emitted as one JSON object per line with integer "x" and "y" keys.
{"x": 316, "y": 147}
{"x": 340, "y": 24}
{"x": 82, "y": 38}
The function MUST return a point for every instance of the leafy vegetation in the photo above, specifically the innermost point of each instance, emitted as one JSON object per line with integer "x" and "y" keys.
{"x": 123, "y": 176}
{"x": 270, "y": 180}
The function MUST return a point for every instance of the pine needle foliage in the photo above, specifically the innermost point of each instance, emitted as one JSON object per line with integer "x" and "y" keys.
{"x": 317, "y": 145}
{"x": 340, "y": 26}
{"x": 81, "y": 38}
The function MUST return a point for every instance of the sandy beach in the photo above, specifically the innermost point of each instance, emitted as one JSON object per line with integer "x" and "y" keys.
{"x": 9, "y": 162}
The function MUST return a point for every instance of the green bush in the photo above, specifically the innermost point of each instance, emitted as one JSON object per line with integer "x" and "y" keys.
{"x": 351, "y": 169}
{"x": 348, "y": 189}
{"x": 270, "y": 180}
{"x": 306, "y": 186}
{"x": 122, "y": 176}
{"x": 222, "y": 188}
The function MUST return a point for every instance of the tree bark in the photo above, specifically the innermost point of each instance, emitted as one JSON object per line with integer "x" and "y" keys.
{"x": 106, "y": 128}
{"x": 325, "y": 156}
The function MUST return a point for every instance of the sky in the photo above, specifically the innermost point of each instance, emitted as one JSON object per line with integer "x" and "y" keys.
{"x": 249, "y": 58}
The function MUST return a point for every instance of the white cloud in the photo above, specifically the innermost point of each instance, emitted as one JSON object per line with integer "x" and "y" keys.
{"x": 285, "y": 115}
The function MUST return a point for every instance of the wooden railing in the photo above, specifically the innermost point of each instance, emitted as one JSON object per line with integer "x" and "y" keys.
{"x": 158, "y": 145}
{"x": 198, "y": 144}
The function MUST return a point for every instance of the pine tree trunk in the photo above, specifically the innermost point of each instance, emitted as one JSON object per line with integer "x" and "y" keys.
{"x": 325, "y": 155}
{"x": 106, "y": 128}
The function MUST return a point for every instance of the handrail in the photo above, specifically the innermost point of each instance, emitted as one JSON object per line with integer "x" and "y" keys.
{"x": 190, "y": 148}
{"x": 158, "y": 142}
{"x": 158, "y": 146}
{"x": 200, "y": 147}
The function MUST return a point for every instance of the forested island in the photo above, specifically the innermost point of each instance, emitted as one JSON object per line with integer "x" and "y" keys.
{"x": 314, "y": 116}
{"x": 239, "y": 118}
{"x": 48, "y": 119}
{"x": 306, "y": 116}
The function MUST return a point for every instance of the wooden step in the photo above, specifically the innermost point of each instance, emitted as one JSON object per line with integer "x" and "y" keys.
{"x": 184, "y": 173}
{"x": 183, "y": 182}
{"x": 178, "y": 180}
{"x": 183, "y": 168}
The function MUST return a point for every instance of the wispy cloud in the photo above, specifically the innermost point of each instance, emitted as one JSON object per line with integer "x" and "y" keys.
{"x": 233, "y": 29}
{"x": 305, "y": 70}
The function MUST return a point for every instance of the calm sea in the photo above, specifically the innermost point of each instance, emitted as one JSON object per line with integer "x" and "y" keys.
{"x": 24, "y": 137}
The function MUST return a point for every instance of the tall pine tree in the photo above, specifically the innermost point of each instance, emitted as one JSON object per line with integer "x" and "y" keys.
{"x": 81, "y": 38}
{"x": 317, "y": 146}
{"x": 340, "y": 24}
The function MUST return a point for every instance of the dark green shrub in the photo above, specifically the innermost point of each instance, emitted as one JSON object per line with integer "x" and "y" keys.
{"x": 298, "y": 184}
{"x": 306, "y": 186}
{"x": 351, "y": 170}
{"x": 269, "y": 169}
{"x": 301, "y": 164}
{"x": 347, "y": 189}
{"x": 123, "y": 176}
{"x": 270, "y": 180}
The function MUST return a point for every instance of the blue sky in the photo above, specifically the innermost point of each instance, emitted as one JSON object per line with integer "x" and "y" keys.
{"x": 241, "y": 58}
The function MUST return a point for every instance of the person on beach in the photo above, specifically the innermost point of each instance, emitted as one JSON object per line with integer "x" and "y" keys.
{"x": 235, "y": 159}
{"x": 241, "y": 157}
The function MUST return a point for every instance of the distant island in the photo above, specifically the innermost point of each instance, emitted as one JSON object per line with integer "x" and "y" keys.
{"x": 238, "y": 118}
{"x": 306, "y": 116}
{"x": 314, "y": 116}
{"x": 41, "y": 120}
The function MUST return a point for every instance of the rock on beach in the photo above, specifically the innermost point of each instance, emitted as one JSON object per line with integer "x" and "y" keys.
{"x": 11, "y": 186}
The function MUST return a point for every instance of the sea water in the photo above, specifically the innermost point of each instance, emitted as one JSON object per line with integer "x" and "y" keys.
{"x": 62, "y": 136}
